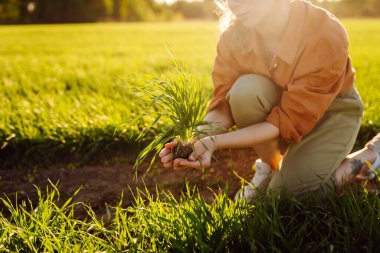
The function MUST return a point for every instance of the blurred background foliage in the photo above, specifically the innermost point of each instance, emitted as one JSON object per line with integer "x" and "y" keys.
{"x": 77, "y": 11}
{"x": 74, "y": 11}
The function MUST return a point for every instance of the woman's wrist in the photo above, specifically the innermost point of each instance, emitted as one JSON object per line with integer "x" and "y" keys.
{"x": 211, "y": 142}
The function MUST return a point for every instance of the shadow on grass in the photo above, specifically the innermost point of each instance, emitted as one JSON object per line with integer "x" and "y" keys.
{"x": 89, "y": 148}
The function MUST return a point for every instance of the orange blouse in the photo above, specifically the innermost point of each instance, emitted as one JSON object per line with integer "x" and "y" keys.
{"x": 311, "y": 65}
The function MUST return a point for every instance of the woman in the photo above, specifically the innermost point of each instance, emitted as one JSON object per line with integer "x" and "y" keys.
{"x": 282, "y": 71}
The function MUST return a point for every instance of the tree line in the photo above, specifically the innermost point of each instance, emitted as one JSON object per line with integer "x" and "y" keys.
{"x": 69, "y": 11}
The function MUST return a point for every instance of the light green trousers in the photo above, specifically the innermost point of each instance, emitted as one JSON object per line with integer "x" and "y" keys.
{"x": 310, "y": 163}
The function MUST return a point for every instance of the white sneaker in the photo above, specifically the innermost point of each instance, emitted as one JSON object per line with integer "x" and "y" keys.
{"x": 374, "y": 168}
{"x": 259, "y": 182}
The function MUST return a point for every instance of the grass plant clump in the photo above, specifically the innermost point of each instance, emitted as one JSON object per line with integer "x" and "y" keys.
{"x": 174, "y": 111}
{"x": 46, "y": 226}
{"x": 160, "y": 222}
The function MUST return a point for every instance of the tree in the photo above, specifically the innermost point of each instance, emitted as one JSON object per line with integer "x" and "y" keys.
{"x": 65, "y": 11}
{"x": 9, "y": 11}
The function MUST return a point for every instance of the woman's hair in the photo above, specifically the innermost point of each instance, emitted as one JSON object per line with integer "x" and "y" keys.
{"x": 226, "y": 16}
{"x": 239, "y": 35}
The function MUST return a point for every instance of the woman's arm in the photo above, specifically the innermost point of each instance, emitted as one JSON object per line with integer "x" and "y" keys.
{"x": 248, "y": 136}
{"x": 245, "y": 137}
{"x": 220, "y": 121}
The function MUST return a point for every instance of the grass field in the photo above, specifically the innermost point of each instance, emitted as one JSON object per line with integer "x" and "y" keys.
{"x": 63, "y": 93}
{"x": 164, "y": 224}
{"x": 62, "y": 87}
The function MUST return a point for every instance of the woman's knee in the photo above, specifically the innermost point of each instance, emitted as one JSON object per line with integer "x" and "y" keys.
{"x": 251, "y": 98}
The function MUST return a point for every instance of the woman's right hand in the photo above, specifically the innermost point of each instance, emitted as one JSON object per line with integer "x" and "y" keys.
{"x": 166, "y": 154}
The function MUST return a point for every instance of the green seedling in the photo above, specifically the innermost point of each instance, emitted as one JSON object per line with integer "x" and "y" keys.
{"x": 178, "y": 106}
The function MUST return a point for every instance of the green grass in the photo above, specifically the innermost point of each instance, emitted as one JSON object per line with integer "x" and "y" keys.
{"x": 62, "y": 92}
{"x": 62, "y": 88}
{"x": 349, "y": 223}
{"x": 364, "y": 39}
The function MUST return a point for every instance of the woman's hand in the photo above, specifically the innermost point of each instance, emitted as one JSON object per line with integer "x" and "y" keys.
{"x": 166, "y": 154}
{"x": 201, "y": 156}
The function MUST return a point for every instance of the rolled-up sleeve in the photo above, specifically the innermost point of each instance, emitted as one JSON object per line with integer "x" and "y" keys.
{"x": 307, "y": 98}
{"x": 224, "y": 74}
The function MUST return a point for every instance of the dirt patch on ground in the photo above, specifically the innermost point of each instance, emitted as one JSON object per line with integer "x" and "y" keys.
{"x": 103, "y": 184}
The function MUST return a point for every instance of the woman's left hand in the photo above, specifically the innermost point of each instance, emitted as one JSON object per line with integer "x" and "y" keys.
{"x": 201, "y": 156}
